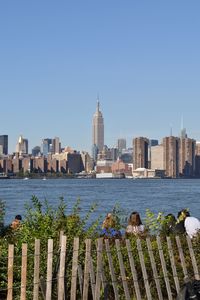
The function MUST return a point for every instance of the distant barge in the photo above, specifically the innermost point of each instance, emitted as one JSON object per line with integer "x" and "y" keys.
{"x": 4, "y": 176}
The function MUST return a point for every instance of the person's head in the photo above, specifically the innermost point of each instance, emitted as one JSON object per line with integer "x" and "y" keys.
{"x": 134, "y": 219}
{"x": 171, "y": 218}
{"x": 109, "y": 221}
{"x": 18, "y": 217}
{"x": 184, "y": 213}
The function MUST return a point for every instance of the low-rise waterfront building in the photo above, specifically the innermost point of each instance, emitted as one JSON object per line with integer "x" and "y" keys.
{"x": 104, "y": 166}
{"x": 119, "y": 167}
{"x": 148, "y": 173}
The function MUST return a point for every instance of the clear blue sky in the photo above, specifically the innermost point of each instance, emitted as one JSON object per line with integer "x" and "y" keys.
{"x": 142, "y": 57}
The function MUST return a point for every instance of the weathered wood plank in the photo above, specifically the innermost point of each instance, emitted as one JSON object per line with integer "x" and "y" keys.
{"x": 112, "y": 271}
{"x": 24, "y": 271}
{"x": 86, "y": 269}
{"x": 36, "y": 275}
{"x": 182, "y": 258}
{"x": 164, "y": 268}
{"x": 61, "y": 276}
{"x": 80, "y": 279}
{"x": 133, "y": 271}
{"x": 154, "y": 269}
{"x": 122, "y": 270}
{"x": 10, "y": 271}
{"x": 49, "y": 270}
{"x": 193, "y": 258}
{"x": 99, "y": 268}
{"x": 173, "y": 265}
{"x": 144, "y": 271}
{"x": 92, "y": 276}
{"x": 74, "y": 269}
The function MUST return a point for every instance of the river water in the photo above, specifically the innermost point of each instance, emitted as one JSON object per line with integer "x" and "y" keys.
{"x": 166, "y": 195}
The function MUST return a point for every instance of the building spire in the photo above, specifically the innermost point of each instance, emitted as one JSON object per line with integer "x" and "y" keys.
{"x": 171, "y": 130}
{"x": 98, "y": 103}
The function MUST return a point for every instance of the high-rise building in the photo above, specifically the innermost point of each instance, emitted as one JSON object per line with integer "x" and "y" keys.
{"x": 171, "y": 156}
{"x": 187, "y": 157}
{"x": 197, "y": 159}
{"x": 152, "y": 143}
{"x": 4, "y": 144}
{"x": 22, "y": 146}
{"x": 45, "y": 147}
{"x": 98, "y": 129}
{"x": 140, "y": 152}
{"x": 157, "y": 157}
{"x": 56, "y": 145}
{"x": 36, "y": 151}
{"x": 121, "y": 145}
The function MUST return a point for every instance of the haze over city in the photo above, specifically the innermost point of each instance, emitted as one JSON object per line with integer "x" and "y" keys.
{"x": 141, "y": 58}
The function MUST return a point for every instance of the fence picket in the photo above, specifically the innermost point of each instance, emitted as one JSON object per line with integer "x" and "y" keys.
{"x": 99, "y": 268}
{"x": 92, "y": 276}
{"x": 10, "y": 271}
{"x": 154, "y": 269}
{"x": 122, "y": 270}
{"x": 87, "y": 268}
{"x": 80, "y": 279}
{"x": 144, "y": 271}
{"x": 193, "y": 258}
{"x": 74, "y": 269}
{"x": 24, "y": 271}
{"x": 49, "y": 270}
{"x": 36, "y": 275}
{"x": 112, "y": 271}
{"x": 182, "y": 258}
{"x": 133, "y": 270}
{"x": 164, "y": 268}
{"x": 61, "y": 277}
{"x": 173, "y": 265}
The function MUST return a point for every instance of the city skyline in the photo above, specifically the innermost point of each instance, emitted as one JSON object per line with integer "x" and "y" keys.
{"x": 142, "y": 59}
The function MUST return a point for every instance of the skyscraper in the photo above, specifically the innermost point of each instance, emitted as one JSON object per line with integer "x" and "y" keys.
{"x": 187, "y": 157}
{"x": 171, "y": 156}
{"x": 121, "y": 145}
{"x": 56, "y": 145}
{"x": 98, "y": 129}
{"x": 140, "y": 153}
{"x": 22, "y": 146}
{"x": 45, "y": 147}
{"x": 4, "y": 144}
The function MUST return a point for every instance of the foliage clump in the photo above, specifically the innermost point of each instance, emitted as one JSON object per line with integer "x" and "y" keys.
{"x": 41, "y": 221}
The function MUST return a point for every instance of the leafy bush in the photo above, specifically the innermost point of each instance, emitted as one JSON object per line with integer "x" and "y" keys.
{"x": 43, "y": 222}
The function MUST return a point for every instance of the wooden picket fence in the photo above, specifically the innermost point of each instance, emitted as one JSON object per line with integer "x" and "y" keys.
{"x": 108, "y": 269}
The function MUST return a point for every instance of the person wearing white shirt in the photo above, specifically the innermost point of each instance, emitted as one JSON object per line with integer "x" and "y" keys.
{"x": 192, "y": 226}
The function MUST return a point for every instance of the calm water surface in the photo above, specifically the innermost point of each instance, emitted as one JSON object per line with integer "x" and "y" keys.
{"x": 168, "y": 196}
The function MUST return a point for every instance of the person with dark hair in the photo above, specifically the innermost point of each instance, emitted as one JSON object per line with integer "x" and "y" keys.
{"x": 16, "y": 222}
{"x": 168, "y": 225}
{"x": 135, "y": 226}
{"x": 180, "y": 224}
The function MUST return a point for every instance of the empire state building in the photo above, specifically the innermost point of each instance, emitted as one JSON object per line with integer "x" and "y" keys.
{"x": 98, "y": 129}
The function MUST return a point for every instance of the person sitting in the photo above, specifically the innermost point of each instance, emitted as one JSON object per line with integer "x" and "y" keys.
{"x": 192, "y": 226}
{"x": 180, "y": 224}
{"x": 16, "y": 222}
{"x": 135, "y": 226}
{"x": 109, "y": 228}
{"x": 168, "y": 225}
